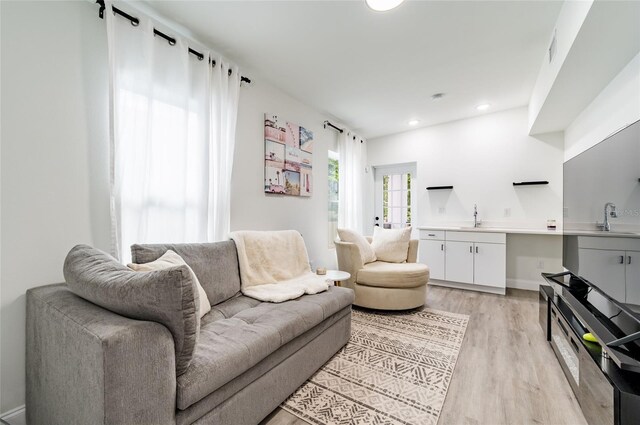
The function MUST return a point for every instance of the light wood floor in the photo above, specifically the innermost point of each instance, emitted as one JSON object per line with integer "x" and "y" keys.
{"x": 506, "y": 372}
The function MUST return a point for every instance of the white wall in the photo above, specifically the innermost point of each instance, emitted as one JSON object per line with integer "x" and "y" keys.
{"x": 251, "y": 208}
{"x": 481, "y": 157}
{"x": 570, "y": 19}
{"x": 54, "y": 161}
{"x": 615, "y": 107}
{"x": 54, "y": 157}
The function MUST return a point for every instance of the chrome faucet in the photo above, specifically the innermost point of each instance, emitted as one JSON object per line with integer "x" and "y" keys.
{"x": 606, "y": 226}
{"x": 476, "y": 222}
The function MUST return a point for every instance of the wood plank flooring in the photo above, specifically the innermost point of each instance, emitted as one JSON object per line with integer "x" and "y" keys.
{"x": 506, "y": 372}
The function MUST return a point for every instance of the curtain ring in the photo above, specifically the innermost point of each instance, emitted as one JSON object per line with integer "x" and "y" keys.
{"x": 229, "y": 72}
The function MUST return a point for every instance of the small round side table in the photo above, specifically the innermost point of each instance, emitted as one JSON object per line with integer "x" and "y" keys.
{"x": 337, "y": 276}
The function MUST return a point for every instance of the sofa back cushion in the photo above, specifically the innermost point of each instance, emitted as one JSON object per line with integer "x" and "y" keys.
{"x": 167, "y": 296}
{"x": 215, "y": 264}
{"x": 171, "y": 259}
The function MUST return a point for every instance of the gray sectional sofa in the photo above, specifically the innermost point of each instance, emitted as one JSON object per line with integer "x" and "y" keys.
{"x": 112, "y": 346}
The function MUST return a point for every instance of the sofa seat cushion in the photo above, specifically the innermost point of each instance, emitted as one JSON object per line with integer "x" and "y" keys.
{"x": 393, "y": 275}
{"x": 229, "y": 346}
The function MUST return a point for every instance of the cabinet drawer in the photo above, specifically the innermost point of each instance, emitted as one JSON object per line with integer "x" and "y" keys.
{"x": 476, "y": 237}
{"x": 432, "y": 234}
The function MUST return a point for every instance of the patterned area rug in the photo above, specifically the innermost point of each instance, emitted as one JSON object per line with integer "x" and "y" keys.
{"x": 395, "y": 369}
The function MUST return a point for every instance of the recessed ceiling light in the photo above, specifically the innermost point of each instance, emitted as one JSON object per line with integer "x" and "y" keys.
{"x": 483, "y": 107}
{"x": 383, "y": 5}
{"x": 437, "y": 96}
{"x": 414, "y": 122}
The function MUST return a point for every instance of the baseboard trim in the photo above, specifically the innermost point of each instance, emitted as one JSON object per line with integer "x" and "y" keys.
{"x": 527, "y": 285}
{"x": 9, "y": 414}
{"x": 468, "y": 286}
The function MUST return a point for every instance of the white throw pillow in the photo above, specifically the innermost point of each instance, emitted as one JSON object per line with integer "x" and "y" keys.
{"x": 391, "y": 245}
{"x": 171, "y": 259}
{"x": 366, "y": 252}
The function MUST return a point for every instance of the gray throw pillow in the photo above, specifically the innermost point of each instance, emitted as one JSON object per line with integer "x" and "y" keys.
{"x": 167, "y": 296}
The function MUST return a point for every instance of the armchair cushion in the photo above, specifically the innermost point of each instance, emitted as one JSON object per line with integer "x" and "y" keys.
{"x": 391, "y": 245}
{"x": 168, "y": 296}
{"x": 366, "y": 251}
{"x": 393, "y": 275}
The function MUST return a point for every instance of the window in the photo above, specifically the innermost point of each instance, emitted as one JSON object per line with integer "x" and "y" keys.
{"x": 334, "y": 178}
{"x": 396, "y": 200}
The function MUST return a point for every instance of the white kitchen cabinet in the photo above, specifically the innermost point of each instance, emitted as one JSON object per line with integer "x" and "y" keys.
{"x": 633, "y": 277}
{"x": 465, "y": 259}
{"x": 489, "y": 264}
{"x": 611, "y": 263}
{"x": 605, "y": 268}
{"x": 431, "y": 253}
{"x": 459, "y": 261}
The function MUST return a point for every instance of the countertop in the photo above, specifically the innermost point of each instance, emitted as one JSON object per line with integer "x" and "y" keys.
{"x": 487, "y": 229}
{"x": 631, "y": 232}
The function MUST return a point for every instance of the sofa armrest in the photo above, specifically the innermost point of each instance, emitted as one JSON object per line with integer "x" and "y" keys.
{"x": 349, "y": 260}
{"x": 412, "y": 254}
{"x": 89, "y": 365}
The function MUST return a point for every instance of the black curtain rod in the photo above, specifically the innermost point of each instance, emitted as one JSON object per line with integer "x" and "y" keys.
{"x": 327, "y": 123}
{"x": 172, "y": 41}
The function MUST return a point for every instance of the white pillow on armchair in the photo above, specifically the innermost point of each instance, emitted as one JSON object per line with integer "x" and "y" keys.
{"x": 391, "y": 245}
{"x": 366, "y": 251}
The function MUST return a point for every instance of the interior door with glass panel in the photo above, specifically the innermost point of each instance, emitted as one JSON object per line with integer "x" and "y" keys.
{"x": 394, "y": 200}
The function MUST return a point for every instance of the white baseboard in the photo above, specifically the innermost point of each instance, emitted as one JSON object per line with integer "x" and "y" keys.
{"x": 468, "y": 286}
{"x": 529, "y": 285}
{"x": 16, "y": 415}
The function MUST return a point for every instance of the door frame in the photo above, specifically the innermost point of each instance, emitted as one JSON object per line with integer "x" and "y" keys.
{"x": 401, "y": 168}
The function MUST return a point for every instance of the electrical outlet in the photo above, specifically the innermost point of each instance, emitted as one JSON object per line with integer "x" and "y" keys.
{"x": 442, "y": 210}
{"x": 540, "y": 265}
{"x": 507, "y": 212}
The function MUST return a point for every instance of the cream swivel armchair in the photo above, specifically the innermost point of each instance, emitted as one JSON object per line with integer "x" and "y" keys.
{"x": 381, "y": 285}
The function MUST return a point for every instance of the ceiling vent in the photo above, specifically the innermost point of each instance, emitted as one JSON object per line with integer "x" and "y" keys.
{"x": 552, "y": 47}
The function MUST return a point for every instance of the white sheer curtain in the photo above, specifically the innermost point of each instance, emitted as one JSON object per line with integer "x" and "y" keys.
{"x": 173, "y": 122}
{"x": 225, "y": 87}
{"x": 353, "y": 159}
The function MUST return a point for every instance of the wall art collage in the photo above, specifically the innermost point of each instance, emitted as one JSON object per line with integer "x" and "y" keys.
{"x": 288, "y": 157}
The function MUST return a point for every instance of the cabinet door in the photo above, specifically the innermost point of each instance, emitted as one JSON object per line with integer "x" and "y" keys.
{"x": 633, "y": 277}
{"x": 459, "y": 262}
{"x": 604, "y": 268}
{"x": 490, "y": 264}
{"x": 432, "y": 254}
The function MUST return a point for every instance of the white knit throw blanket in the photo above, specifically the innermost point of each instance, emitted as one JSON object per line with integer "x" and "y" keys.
{"x": 274, "y": 266}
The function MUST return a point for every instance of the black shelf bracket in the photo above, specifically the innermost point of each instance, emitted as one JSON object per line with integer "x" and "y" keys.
{"x": 439, "y": 187}
{"x": 531, "y": 183}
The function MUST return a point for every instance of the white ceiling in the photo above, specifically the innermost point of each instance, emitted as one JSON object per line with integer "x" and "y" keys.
{"x": 376, "y": 71}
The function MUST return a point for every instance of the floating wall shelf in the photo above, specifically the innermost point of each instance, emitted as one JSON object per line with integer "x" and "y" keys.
{"x": 530, "y": 183}
{"x": 439, "y": 187}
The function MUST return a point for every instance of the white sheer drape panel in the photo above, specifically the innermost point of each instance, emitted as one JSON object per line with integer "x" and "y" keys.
{"x": 225, "y": 87}
{"x": 351, "y": 194}
{"x": 168, "y": 133}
